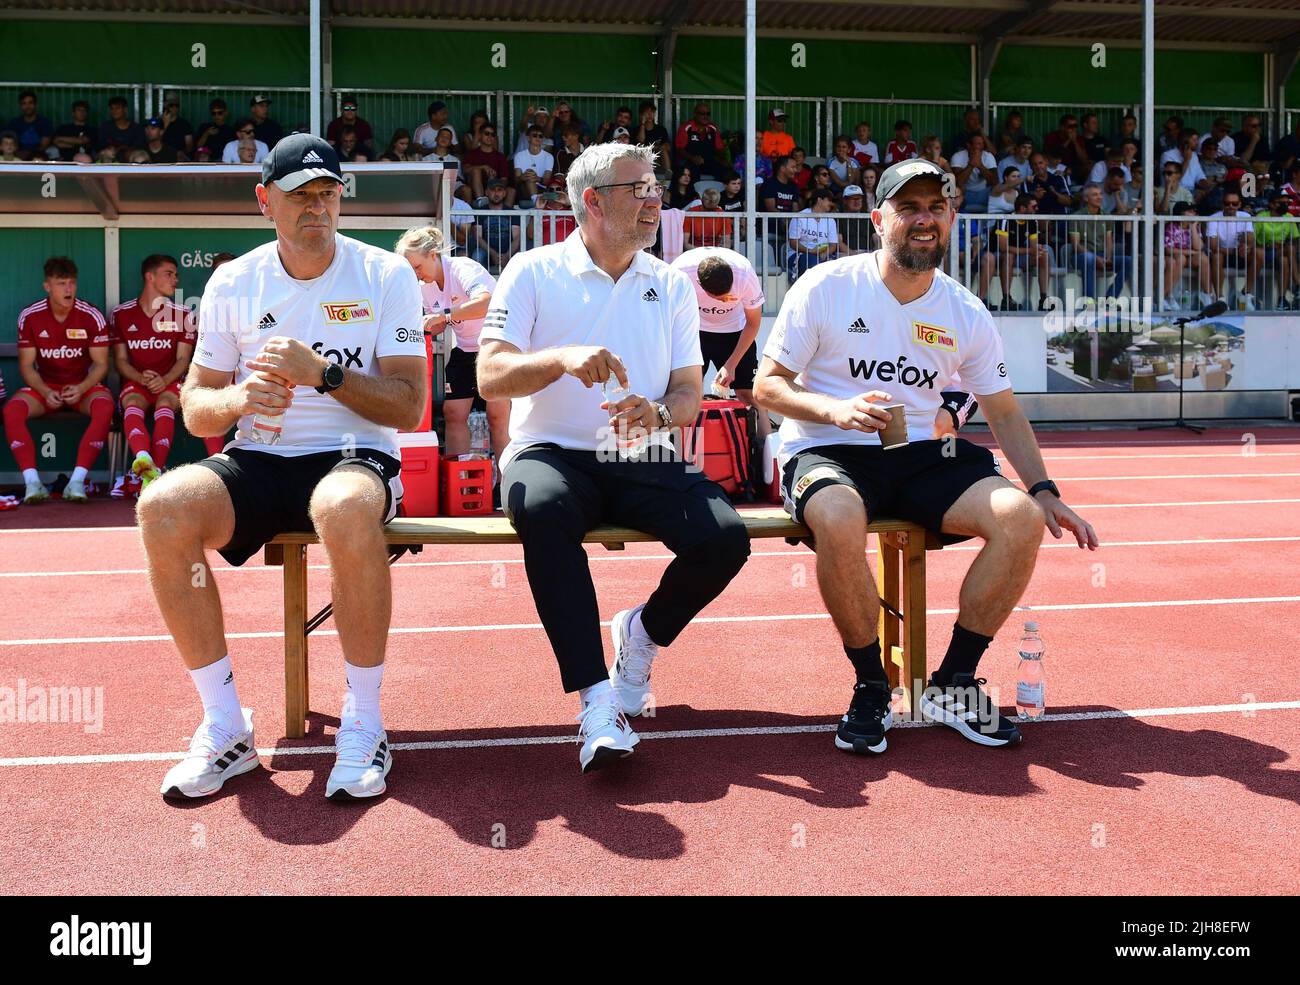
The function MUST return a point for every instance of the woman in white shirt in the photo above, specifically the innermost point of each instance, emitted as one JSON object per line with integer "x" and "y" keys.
{"x": 1002, "y": 199}
{"x": 456, "y": 292}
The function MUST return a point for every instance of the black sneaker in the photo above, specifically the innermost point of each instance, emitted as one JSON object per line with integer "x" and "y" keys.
{"x": 863, "y": 727}
{"x": 964, "y": 706}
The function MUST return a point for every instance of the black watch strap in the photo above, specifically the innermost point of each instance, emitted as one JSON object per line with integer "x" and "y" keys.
{"x": 1047, "y": 484}
{"x": 332, "y": 378}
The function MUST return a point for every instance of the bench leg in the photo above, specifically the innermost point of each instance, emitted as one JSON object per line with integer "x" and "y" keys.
{"x": 296, "y": 689}
{"x": 914, "y": 617}
{"x": 887, "y": 556}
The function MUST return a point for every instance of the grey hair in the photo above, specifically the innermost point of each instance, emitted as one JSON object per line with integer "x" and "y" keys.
{"x": 595, "y": 166}
{"x": 421, "y": 239}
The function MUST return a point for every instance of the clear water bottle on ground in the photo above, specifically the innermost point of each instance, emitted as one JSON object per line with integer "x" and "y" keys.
{"x": 480, "y": 437}
{"x": 1030, "y": 686}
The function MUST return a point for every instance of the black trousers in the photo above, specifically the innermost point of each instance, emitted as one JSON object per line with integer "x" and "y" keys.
{"x": 553, "y": 496}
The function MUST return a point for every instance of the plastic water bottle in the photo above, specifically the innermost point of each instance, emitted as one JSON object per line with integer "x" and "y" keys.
{"x": 614, "y": 392}
{"x": 480, "y": 440}
{"x": 266, "y": 428}
{"x": 1029, "y": 675}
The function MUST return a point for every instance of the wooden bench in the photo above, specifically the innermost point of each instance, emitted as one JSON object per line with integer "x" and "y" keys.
{"x": 900, "y": 565}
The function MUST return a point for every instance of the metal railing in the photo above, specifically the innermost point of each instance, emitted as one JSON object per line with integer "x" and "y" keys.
{"x": 804, "y": 118}
{"x": 1252, "y": 262}
{"x": 54, "y": 99}
{"x": 940, "y": 118}
{"x": 1040, "y": 119}
{"x": 388, "y": 110}
{"x": 290, "y": 106}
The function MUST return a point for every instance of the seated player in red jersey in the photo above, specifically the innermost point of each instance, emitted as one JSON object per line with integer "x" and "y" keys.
{"x": 63, "y": 359}
{"x": 152, "y": 339}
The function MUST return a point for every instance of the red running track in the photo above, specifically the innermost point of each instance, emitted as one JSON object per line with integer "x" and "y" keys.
{"x": 1189, "y": 614}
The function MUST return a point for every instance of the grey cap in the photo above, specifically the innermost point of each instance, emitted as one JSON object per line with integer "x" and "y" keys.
{"x": 897, "y": 175}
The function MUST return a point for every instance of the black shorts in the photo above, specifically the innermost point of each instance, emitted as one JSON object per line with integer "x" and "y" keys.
{"x": 916, "y": 482}
{"x": 717, "y": 348}
{"x": 461, "y": 373}
{"x": 271, "y": 494}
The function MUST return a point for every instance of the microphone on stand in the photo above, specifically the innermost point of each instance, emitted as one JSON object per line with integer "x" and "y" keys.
{"x": 1211, "y": 311}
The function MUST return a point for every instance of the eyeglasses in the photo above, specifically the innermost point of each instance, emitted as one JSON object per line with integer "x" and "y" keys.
{"x": 487, "y": 133}
{"x": 644, "y": 188}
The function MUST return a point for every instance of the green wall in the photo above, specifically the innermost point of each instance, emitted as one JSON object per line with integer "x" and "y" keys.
{"x": 716, "y": 66}
{"x": 376, "y": 58}
{"x": 139, "y": 51}
{"x": 1183, "y": 78}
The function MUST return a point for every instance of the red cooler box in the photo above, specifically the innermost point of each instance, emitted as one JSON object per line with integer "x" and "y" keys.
{"x": 419, "y": 472}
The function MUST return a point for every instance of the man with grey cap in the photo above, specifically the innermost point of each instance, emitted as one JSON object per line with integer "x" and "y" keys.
{"x": 323, "y": 335}
{"x": 890, "y": 328}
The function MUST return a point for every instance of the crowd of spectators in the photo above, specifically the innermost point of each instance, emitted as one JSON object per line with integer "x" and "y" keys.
{"x": 1076, "y": 170}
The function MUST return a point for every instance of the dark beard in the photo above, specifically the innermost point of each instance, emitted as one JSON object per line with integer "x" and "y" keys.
{"x": 915, "y": 259}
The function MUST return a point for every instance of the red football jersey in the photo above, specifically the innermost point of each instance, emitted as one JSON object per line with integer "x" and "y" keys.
{"x": 62, "y": 348}
{"x": 151, "y": 340}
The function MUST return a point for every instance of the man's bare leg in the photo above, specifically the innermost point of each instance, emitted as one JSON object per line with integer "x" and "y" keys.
{"x": 180, "y": 515}
{"x": 837, "y": 518}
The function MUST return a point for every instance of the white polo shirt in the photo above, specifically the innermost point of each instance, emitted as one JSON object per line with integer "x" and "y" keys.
{"x": 845, "y": 334}
{"x": 812, "y": 230}
{"x": 463, "y": 280}
{"x": 717, "y": 315}
{"x": 540, "y": 163}
{"x": 364, "y": 307}
{"x": 1228, "y": 231}
{"x": 555, "y": 296}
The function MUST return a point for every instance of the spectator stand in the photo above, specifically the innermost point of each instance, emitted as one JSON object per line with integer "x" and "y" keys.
{"x": 110, "y": 217}
{"x": 804, "y": 118}
{"x": 1201, "y": 118}
{"x": 387, "y": 110}
{"x": 591, "y": 108}
{"x": 55, "y": 99}
{"x": 290, "y": 105}
{"x": 1042, "y": 118}
{"x": 941, "y": 117}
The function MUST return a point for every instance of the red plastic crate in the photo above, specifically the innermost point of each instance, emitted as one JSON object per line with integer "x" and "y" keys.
{"x": 466, "y": 487}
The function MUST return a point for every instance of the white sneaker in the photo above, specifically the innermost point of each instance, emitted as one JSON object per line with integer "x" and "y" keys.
{"x": 119, "y": 488}
{"x": 605, "y": 733}
{"x": 75, "y": 491}
{"x": 630, "y": 675}
{"x": 36, "y": 492}
{"x": 1168, "y": 304}
{"x": 1247, "y": 301}
{"x": 219, "y": 750}
{"x": 361, "y": 762}
{"x": 1206, "y": 299}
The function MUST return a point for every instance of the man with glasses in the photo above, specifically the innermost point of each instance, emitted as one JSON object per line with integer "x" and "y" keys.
{"x": 1067, "y": 145}
{"x": 699, "y": 142}
{"x": 245, "y": 131}
{"x": 484, "y": 163}
{"x": 597, "y": 312}
{"x": 217, "y": 132}
{"x": 1185, "y": 155}
{"x": 1171, "y": 195}
{"x": 1230, "y": 239}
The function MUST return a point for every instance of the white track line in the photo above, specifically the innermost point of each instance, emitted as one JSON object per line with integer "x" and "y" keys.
{"x": 785, "y": 617}
{"x": 620, "y": 556}
{"x": 702, "y": 733}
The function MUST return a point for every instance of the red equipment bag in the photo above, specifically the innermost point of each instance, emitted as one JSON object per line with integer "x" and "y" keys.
{"x": 719, "y": 443}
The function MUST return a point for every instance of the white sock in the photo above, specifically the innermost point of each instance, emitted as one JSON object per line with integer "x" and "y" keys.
{"x": 637, "y": 631}
{"x": 31, "y": 475}
{"x": 79, "y": 474}
{"x": 216, "y": 685}
{"x": 597, "y": 692}
{"x": 362, "y": 699}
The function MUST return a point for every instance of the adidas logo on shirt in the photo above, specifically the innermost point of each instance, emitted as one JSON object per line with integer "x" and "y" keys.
{"x": 859, "y": 326}
{"x": 44, "y": 335}
{"x": 311, "y": 157}
{"x": 650, "y": 295}
{"x": 268, "y": 320}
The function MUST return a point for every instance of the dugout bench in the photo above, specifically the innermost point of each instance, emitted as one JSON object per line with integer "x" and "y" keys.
{"x": 900, "y": 567}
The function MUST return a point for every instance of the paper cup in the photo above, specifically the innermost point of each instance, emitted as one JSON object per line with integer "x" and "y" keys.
{"x": 894, "y": 434}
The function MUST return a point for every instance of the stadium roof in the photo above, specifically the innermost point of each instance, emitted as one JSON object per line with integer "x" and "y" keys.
{"x": 1263, "y": 23}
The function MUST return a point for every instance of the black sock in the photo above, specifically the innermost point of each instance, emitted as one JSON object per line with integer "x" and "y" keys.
{"x": 963, "y": 656}
{"x": 866, "y": 663}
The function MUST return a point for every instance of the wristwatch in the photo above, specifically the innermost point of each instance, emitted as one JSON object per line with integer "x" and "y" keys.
{"x": 332, "y": 378}
{"x": 665, "y": 416}
{"x": 1047, "y": 484}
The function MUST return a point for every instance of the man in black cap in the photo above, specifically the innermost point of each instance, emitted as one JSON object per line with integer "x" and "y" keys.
{"x": 264, "y": 128}
{"x": 159, "y": 152}
{"x": 323, "y": 335}
{"x": 890, "y": 328}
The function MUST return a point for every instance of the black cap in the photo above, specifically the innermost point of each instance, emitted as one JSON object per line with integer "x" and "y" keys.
{"x": 897, "y": 175}
{"x": 435, "y": 106}
{"x": 260, "y": 98}
{"x": 297, "y": 159}
{"x": 153, "y": 121}
{"x": 496, "y": 183}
